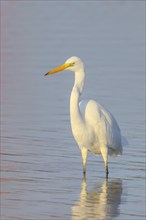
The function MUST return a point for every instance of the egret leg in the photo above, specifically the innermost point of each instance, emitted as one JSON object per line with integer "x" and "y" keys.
{"x": 84, "y": 153}
{"x": 107, "y": 172}
{"x": 104, "y": 152}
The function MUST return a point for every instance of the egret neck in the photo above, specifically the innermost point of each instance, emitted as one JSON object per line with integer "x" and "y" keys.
{"x": 75, "y": 113}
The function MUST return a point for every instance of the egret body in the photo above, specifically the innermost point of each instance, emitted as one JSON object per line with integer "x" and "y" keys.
{"x": 94, "y": 128}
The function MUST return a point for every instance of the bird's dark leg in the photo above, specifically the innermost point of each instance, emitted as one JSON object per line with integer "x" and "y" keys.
{"x": 84, "y": 152}
{"x": 107, "y": 172}
{"x": 84, "y": 167}
{"x": 84, "y": 172}
{"x": 104, "y": 152}
{"x": 84, "y": 177}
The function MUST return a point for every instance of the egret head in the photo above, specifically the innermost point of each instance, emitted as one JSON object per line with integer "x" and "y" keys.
{"x": 74, "y": 64}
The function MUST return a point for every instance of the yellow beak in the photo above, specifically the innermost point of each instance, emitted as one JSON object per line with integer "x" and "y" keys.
{"x": 58, "y": 69}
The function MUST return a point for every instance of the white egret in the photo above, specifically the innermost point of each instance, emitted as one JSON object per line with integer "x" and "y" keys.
{"x": 94, "y": 128}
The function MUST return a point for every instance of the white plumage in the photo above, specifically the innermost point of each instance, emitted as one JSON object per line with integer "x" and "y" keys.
{"x": 94, "y": 128}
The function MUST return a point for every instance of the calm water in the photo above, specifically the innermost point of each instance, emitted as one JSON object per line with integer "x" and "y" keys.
{"x": 41, "y": 168}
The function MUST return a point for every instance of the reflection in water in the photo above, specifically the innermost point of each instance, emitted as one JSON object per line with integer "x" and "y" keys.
{"x": 101, "y": 203}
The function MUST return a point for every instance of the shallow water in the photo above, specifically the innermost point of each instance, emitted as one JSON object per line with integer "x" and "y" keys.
{"x": 41, "y": 168}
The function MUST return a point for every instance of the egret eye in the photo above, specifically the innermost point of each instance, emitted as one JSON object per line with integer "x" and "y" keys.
{"x": 72, "y": 64}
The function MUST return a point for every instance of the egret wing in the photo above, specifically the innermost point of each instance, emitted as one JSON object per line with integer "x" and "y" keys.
{"x": 104, "y": 124}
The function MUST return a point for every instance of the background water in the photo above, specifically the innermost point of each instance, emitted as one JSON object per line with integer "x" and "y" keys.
{"x": 41, "y": 168}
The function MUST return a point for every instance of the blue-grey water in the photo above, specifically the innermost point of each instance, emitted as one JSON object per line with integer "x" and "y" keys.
{"x": 41, "y": 167}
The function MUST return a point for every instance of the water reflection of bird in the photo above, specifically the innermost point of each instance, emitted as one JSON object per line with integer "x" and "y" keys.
{"x": 101, "y": 203}
{"x": 93, "y": 127}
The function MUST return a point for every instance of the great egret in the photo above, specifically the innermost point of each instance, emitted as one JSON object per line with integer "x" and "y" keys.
{"x": 94, "y": 128}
